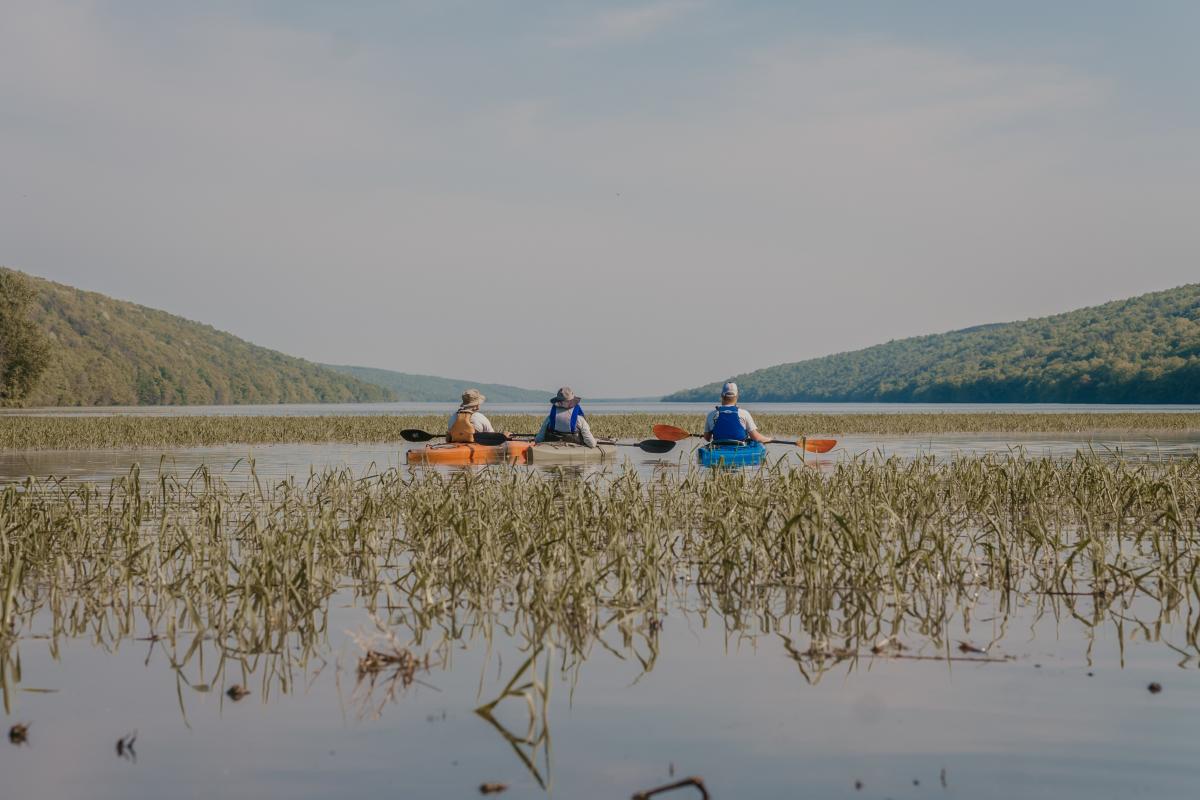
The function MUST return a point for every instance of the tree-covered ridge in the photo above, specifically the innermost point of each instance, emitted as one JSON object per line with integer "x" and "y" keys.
{"x": 1142, "y": 350}
{"x": 109, "y": 352}
{"x": 24, "y": 348}
{"x": 430, "y": 388}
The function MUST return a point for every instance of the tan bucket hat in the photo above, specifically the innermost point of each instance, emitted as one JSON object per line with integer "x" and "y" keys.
{"x": 472, "y": 397}
{"x": 565, "y": 398}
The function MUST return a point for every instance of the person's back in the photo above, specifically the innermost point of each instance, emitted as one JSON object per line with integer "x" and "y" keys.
{"x": 467, "y": 421}
{"x": 566, "y": 422}
{"x": 729, "y": 423}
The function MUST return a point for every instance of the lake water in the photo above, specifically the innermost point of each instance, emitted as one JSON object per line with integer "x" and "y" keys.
{"x": 1068, "y": 717}
{"x": 599, "y": 407}
{"x": 283, "y": 460}
{"x": 1063, "y": 713}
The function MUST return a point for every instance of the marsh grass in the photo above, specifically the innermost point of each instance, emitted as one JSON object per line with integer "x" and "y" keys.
{"x": 842, "y": 559}
{"x": 79, "y": 433}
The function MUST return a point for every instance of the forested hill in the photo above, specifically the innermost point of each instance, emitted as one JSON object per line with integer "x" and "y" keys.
{"x": 1142, "y": 350}
{"x": 430, "y": 388}
{"x": 95, "y": 350}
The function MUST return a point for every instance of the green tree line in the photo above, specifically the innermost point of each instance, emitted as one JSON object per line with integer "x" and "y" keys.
{"x": 1142, "y": 350}
{"x": 61, "y": 346}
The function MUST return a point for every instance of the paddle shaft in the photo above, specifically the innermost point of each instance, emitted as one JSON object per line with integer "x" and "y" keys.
{"x": 648, "y": 445}
{"x": 674, "y": 434}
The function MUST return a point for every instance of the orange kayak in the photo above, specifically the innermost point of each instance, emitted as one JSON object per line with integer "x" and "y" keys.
{"x": 468, "y": 453}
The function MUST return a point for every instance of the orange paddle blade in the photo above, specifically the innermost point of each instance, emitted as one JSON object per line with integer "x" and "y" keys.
{"x": 670, "y": 433}
{"x": 819, "y": 445}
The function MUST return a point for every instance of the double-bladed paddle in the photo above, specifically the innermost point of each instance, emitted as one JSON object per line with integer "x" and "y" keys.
{"x": 672, "y": 434}
{"x": 490, "y": 438}
{"x": 482, "y": 437}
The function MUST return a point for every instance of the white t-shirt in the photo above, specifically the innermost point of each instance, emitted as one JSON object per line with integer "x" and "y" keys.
{"x": 479, "y": 422}
{"x": 743, "y": 417}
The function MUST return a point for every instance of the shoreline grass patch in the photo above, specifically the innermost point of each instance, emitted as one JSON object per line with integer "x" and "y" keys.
{"x": 19, "y": 432}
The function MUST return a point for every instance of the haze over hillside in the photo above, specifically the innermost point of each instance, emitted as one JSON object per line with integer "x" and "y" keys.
{"x": 1142, "y": 350}
{"x": 110, "y": 352}
{"x": 430, "y": 388}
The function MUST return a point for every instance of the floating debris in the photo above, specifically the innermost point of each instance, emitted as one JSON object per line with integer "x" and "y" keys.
{"x": 19, "y": 733}
{"x": 890, "y": 644}
{"x": 1155, "y": 687}
{"x": 125, "y": 746}
{"x": 692, "y": 781}
{"x": 237, "y": 692}
{"x": 493, "y": 788}
{"x": 404, "y": 661}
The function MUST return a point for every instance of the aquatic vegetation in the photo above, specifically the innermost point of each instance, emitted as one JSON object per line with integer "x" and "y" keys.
{"x": 559, "y": 558}
{"x": 19, "y": 432}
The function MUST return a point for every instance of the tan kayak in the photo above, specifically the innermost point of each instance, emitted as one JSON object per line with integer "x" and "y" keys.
{"x": 551, "y": 453}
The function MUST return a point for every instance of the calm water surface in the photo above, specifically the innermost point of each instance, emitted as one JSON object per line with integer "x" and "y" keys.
{"x": 1063, "y": 713}
{"x": 1066, "y": 713}
{"x": 598, "y": 407}
{"x": 278, "y": 461}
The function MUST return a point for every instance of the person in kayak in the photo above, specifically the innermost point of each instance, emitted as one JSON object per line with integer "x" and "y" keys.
{"x": 728, "y": 423}
{"x": 467, "y": 421}
{"x": 566, "y": 422}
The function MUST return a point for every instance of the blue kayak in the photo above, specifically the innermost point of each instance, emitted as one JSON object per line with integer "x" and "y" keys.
{"x": 731, "y": 454}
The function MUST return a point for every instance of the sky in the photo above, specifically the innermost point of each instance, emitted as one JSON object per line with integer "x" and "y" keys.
{"x": 629, "y": 198}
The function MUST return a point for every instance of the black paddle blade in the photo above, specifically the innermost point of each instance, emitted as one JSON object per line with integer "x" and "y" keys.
{"x": 483, "y": 437}
{"x": 414, "y": 435}
{"x": 656, "y": 445}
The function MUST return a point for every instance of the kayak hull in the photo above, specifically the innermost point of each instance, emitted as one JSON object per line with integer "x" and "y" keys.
{"x": 731, "y": 455}
{"x": 516, "y": 451}
{"x": 469, "y": 453}
{"x": 456, "y": 454}
{"x": 552, "y": 453}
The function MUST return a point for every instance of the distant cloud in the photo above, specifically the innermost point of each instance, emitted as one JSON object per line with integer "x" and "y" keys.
{"x": 626, "y": 24}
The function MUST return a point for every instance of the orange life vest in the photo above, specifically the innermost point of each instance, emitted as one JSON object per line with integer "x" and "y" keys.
{"x": 462, "y": 431}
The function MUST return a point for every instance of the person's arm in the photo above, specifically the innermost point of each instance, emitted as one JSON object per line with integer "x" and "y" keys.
{"x": 708, "y": 426}
{"x": 481, "y": 423}
{"x": 585, "y": 431}
{"x": 541, "y": 434}
{"x": 752, "y": 429}
{"x": 450, "y": 424}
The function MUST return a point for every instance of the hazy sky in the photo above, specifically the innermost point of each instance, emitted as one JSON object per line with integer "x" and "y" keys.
{"x": 630, "y": 198}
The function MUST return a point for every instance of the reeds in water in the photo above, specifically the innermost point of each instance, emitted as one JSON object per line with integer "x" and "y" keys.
{"x": 82, "y": 433}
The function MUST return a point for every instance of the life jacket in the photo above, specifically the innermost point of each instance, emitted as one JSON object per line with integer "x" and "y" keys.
{"x": 562, "y": 425}
{"x": 728, "y": 427}
{"x": 462, "y": 431}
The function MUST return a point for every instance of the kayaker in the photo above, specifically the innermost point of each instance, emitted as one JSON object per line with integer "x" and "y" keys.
{"x": 468, "y": 421}
{"x": 566, "y": 422}
{"x": 728, "y": 423}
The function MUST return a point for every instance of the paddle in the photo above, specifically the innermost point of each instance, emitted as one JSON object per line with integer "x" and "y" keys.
{"x": 811, "y": 445}
{"x": 648, "y": 445}
{"x": 673, "y": 434}
{"x": 414, "y": 435}
{"x": 491, "y": 438}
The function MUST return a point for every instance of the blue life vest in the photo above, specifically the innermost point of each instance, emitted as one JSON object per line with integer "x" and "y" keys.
{"x": 728, "y": 427}
{"x": 552, "y": 424}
